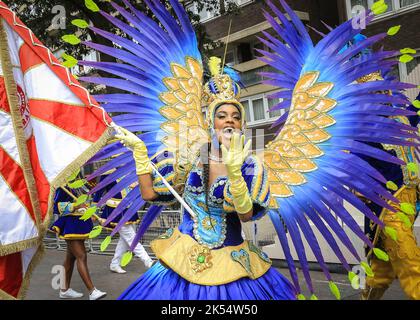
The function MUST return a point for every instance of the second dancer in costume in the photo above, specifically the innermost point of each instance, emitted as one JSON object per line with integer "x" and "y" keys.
{"x": 127, "y": 232}
{"x": 74, "y": 231}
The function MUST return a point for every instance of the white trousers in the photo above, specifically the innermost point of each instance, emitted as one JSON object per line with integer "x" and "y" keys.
{"x": 127, "y": 234}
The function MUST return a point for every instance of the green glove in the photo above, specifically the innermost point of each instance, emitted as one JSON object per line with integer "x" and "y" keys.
{"x": 140, "y": 156}
{"x": 233, "y": 159}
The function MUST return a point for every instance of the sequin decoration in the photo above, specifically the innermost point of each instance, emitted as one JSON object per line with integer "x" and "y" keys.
{"x": 263, "y": 256}
{"x": 167, "y": 234}
{"x": 200, "y": 258}
{"x": 208, "y": 223}
{"x": 242, "y": 257}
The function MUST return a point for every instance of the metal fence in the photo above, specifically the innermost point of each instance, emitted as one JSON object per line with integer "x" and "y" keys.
{"x": 260, "y": 232}
{"x": 167, "y": 219}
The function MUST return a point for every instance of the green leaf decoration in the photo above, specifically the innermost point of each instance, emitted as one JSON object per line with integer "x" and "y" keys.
{"x": 393, "y": 30}
{"x": 405, "y": 58}
{"x": 408, "y": 51}
{"x": 126, "y": 258}
{"x": 314, "y": 297}
{"x": 418, "y": 112}
{"x": 69, "y": 64}
{"x": 368, "y": 270}
{"x": 413, "y": 167}
{"x": 355, "y": 282}
{"x": 334, "y": 290}
{"x": 91, "y": 5}
{"x": 89, "y": 213}
{"x": 392, "y": 233}
{"x": 301, "y": 297}
{"x": 71, "y": 38}
{"x": 407, "y": 208}
{"x": 416, "y": 103}
{"x": 105, "y": 243}
{"x": 77, "y": 184}
{"x": 80, "y": 23}
{"x": 96, "y": 231}
{"x": 380, "y": 254}
{"x": 379, "y": 7}
{"x": 391, "y": 186}
{"x": 82, "y": 199}
{"x": 73, "y": 175}
{"x": 404, "y": 219}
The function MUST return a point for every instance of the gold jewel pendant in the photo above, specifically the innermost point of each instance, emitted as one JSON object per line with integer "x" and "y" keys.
{"x": 200, "y": 258}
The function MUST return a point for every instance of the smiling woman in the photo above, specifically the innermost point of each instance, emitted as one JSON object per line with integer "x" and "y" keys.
{"x": 301, "y": 179}
{"x": 227, "y": 120}
{"x": 206, "y": 256}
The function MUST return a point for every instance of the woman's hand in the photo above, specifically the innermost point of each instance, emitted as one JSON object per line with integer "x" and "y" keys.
{"x": 235, "y": 156}
{"x": 233, "y": 159}
{"x": 130, "y": 140}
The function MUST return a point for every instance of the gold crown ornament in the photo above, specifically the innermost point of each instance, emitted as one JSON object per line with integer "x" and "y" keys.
{"x": 220, "y": 89}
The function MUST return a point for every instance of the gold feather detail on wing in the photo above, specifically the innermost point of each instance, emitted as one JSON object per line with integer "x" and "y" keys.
{"x": 185, "y": 127}
{"x": 291, "y": 154}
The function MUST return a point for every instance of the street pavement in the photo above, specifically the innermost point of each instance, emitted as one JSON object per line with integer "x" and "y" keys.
{"x": 41, "y": 287}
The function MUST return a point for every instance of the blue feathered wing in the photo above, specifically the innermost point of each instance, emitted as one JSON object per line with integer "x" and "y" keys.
{"x": 159, "y": 75}
{"x": 313, "y": 163}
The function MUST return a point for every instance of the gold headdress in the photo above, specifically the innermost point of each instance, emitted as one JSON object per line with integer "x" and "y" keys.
{"x": 221, "y": 89}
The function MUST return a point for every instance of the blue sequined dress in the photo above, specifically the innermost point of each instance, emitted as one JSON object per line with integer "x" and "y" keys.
{"x": 206, "y": 258}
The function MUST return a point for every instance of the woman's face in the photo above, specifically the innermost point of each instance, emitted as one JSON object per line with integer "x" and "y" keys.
{"x": 227, "y": 120}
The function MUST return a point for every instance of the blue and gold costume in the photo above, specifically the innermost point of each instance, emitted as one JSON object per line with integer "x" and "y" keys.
{"x": 310, "y": 167}
{"x": 404, "y": 253}
{"x": 206, "y": 256}
{"x": 68, "y": 226}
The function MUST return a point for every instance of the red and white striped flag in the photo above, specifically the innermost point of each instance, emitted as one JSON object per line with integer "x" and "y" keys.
{"x": 49, "y": 127}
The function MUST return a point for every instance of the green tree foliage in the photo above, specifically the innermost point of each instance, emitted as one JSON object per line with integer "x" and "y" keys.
{"x": 41, "y": 17}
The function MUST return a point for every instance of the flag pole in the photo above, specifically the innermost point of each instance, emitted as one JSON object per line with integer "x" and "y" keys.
{"x": 174, "y": 193}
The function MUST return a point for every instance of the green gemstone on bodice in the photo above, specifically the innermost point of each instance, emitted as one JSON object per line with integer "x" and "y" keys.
{"x": 201, "y": 259}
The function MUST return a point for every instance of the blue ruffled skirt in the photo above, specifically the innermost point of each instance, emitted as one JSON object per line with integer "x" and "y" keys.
{"x": 160, "y": 283}
{"x": 72, "y": 228}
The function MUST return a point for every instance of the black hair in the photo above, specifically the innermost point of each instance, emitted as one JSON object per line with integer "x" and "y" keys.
{"x": 204, "y": 157}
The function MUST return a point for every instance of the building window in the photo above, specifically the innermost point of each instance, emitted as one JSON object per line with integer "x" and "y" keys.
{"x": 393, "y": 5}
{"x": 406, "y": 3}
{"x": 230, "y": 59}
{"x": 253, "y": 77}
{"x": 272, "y": 103}
{"x": 410, "y": 72}
{"x": 257, "y": 109}
{"x": 206, "y": 15}
{"x": 246, "y": 108}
